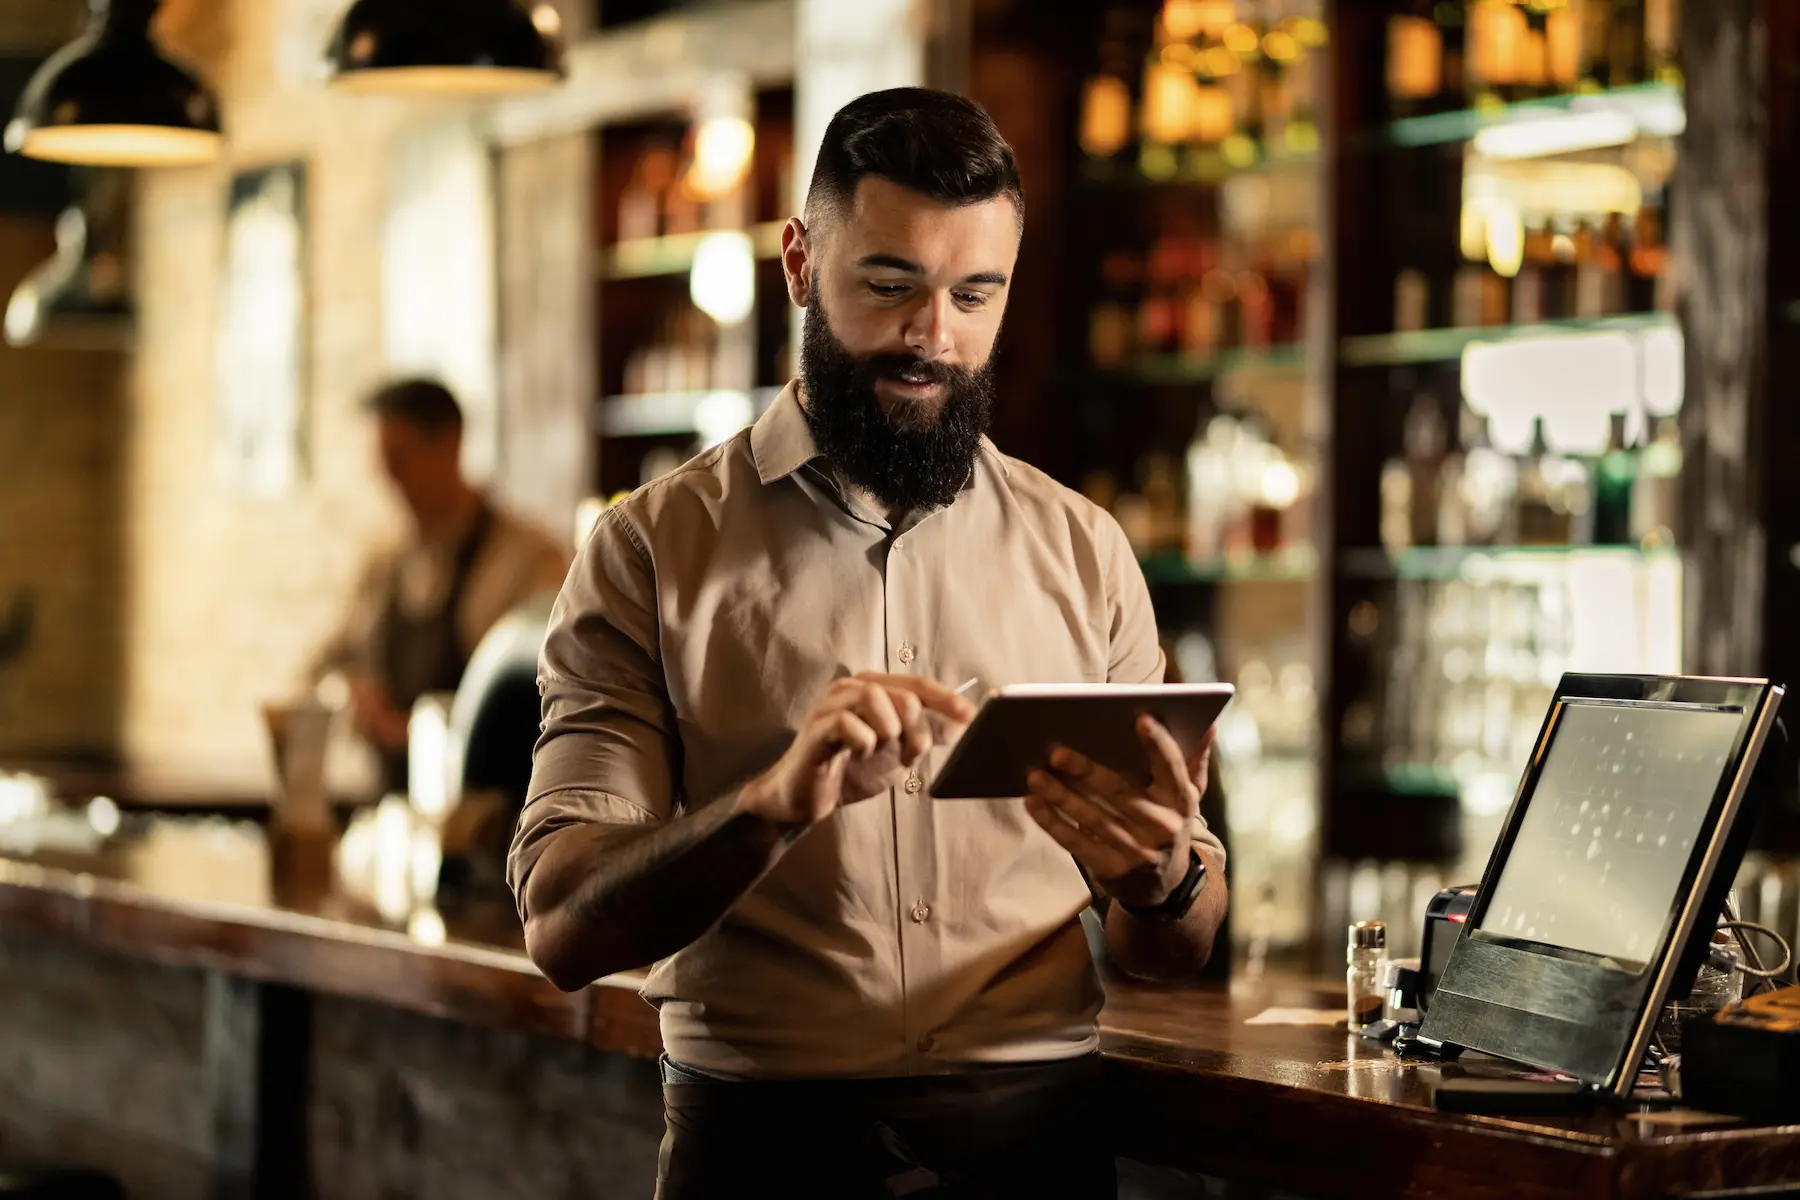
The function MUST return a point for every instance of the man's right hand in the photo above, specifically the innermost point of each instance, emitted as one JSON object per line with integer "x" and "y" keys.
{"x": 858, "y": 741}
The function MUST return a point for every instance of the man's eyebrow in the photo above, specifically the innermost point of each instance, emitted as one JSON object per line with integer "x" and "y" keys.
{"x": 894, "y": 262}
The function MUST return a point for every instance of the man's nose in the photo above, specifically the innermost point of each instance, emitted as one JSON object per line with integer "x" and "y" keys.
{"x": 928, "y": 330}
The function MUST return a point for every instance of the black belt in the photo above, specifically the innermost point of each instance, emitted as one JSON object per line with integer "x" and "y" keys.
{"x": 1034, "y": 1129}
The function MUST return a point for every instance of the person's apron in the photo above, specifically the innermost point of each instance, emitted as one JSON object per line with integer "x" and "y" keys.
{"x": 422, "y": 654}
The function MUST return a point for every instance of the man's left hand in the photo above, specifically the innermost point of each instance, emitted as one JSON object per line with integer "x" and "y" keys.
{"x": 1132, "y": 841}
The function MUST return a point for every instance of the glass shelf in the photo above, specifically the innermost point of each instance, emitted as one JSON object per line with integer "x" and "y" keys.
{"x": 643, "y": 258}
{"x": 1164, "y": 369}
{"x": 1447, "y": 345}
{"x": 1458, "y": 562}
{"x": 1297, "y": 564}
{"x": 1654, "y": 108}
{"x": 1190, "y": 166}
{"x": 674, "y": 414}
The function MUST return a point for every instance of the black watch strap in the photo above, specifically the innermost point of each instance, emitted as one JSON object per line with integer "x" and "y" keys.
{"x": 1181, "y": 899}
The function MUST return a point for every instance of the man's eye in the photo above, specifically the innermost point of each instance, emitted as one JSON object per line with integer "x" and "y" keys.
{"x": 971, "y": 299}
{"x": 889, "y": 290}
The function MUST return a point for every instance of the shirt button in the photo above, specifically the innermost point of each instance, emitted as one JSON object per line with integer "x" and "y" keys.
{"x": 899, "y": 543}
{"x": 921, "y": 912}
{"x": 906, "y": 652}
{"x": 926, "y": 1043}
{"x": 914, "y": 785}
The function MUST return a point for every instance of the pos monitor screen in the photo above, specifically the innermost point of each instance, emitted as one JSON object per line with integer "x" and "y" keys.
{"x": 1603, "y": 888}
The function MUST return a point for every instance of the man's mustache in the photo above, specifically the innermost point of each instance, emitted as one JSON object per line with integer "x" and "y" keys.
{"x": 896, "y": 366}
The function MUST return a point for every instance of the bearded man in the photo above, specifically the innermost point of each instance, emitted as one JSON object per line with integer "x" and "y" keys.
{"x": 750, "y": 678}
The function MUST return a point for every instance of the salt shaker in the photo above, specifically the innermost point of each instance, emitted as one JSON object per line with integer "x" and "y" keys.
{"x": 1366, "y": 954}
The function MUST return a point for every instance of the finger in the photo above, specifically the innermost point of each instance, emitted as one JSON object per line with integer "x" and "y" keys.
{"x": 1095, "y": 821}
{"x": 1100, "y": 860}
{"x": 1104, "y": 780}
{"x": 846, "y": 730}
{"x": 876, "y": 707}
{"x": 917, "y": 738}
{"x": 934, "y": 696}
{"x": 828, "y": 785}
{"x": 1199, "y": 766}
{"x": 1168, "y": 767}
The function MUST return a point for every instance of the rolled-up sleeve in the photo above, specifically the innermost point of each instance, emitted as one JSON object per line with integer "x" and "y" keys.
{"x": 606, "y": 754}
{"x": 1137, "y": 655}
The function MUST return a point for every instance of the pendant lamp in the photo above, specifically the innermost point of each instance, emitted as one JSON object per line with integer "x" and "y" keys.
{"x": 111, "y": 98}
{"x": 446, "y": 47}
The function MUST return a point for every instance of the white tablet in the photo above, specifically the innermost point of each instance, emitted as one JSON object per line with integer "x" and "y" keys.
{"x": 1016, "y": 727}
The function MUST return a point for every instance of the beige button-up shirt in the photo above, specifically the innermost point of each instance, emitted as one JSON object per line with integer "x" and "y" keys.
{"x": 703, "y": 619}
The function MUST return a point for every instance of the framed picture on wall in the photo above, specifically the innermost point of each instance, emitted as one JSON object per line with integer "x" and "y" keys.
{"x": 260, "y": 369}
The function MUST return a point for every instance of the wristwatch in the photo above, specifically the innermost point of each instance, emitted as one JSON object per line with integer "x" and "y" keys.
{"x": 1181, "y": 899}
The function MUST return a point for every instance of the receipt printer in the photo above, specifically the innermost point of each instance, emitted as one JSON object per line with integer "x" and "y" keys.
{"x": 1445, "y": 917}
{"x": 1745, "y": 1058}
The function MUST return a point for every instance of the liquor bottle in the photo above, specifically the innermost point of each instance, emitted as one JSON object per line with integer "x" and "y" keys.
{"x": 1662, "y": 25}
{"x": 1452, "y": 21}
{"x": 1497, "y": 30}
{"x": 1534, "y": 52}
{"x": 1424, "y": 437}
{"x": 1540, "y": 523}
{"x": 1625, "y": 44}
{"x": 1656, "y": 493}
{"x": 1412, "y": 295}
{"x": 1562, "y": 48}
{"x": 1615, "y": 479}
{"x": 1528, "y": 299}
{"x": 1596, "y": 43}
{"x": 1105, "y": 116}
{"x": 1648, "y": 260}
{"x": 1559, "y": 277}
{"x": 1415, "y": 60}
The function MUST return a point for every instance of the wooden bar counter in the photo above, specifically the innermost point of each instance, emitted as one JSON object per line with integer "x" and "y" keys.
{"x": 274, "y": 1012}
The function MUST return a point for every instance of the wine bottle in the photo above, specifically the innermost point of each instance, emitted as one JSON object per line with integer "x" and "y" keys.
{"x": 1415, "y": 60}
{"x": 1615, "y": 479}
{"x": 1626, "y": 51}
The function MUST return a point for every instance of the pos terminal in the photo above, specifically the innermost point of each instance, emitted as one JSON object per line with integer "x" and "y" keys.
{"x": 1604, "y": 886}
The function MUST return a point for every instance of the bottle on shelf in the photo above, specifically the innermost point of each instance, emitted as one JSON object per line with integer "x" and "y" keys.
{"x": 1424, "y": 437}
{"x": 1412, "y": 298}
{"x": 1656, "y": 493}
{"x": 1625, "y": 47}
{"x": 1415, "y": 60}
{"x": 1662, "y": 26}
{"x": 1596, "y": 45}
{"x": 1615, "y": 480}
{"x": 641, "y": 201}
{"x": 1543, "y": 519}
{"x": 1497, "y": 32}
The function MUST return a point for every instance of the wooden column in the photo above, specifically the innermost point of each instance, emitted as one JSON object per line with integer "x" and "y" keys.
{"x": 1720, "y": 205}
{"x": 1737, "y": 249}
{"x": 547, "y": 326}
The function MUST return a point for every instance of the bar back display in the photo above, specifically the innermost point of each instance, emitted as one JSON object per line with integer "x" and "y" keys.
{"x": 1602, "y": 891}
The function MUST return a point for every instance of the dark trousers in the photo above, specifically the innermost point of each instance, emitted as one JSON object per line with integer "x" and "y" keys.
{"x": 1036, "y": 1130}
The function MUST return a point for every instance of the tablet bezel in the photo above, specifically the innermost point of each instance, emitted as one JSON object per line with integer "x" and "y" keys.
{"x": 994, "y": 747}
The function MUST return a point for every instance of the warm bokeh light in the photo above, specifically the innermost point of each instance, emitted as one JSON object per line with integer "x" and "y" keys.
{"x": 723, "y": 147}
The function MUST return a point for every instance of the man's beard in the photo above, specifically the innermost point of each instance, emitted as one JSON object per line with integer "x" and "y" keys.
{"x": 906, "y": 460}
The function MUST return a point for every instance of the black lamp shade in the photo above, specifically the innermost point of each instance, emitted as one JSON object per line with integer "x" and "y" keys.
{"x": 110, "y": 98}
{"x": 466, "y": 47}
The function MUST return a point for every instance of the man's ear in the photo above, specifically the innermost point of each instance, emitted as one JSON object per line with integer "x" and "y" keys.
{"x": 797, "y": 261}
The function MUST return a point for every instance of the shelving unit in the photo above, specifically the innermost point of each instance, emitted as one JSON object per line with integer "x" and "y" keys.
{"x": 674, "y": 379}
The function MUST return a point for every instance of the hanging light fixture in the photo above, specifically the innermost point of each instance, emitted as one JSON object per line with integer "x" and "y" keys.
{"x": 447, "y": 47}
{"x": 111, "y": 99}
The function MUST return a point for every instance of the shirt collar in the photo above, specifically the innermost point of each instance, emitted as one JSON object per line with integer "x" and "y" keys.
{"x": 781, "y": 442}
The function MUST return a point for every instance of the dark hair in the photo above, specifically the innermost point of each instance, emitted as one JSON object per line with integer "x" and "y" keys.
{"x": 932, "y": 142}
{"x": 425, "y": 403}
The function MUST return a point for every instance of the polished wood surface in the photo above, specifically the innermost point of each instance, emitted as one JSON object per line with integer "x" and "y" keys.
{"x": 1310, "y": 1110}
